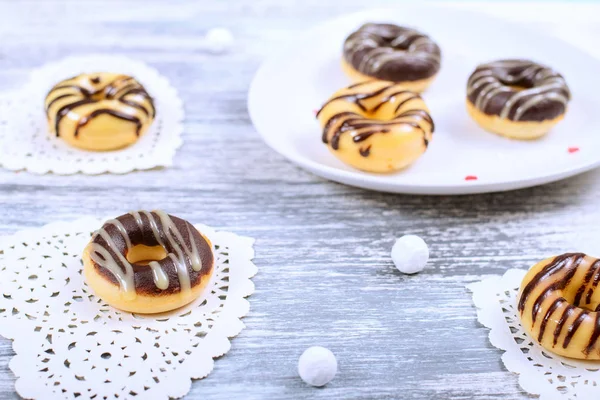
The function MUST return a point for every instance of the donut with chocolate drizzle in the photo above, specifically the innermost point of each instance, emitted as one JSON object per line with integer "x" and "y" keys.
{"x": 376, "y": 126}
{"x": 99, "y": 111}
{"x": 559, "y": 305}
{"x": 391, "y": 53}
{"x": 148, "y": 262}
{"x": 517, "y": 98}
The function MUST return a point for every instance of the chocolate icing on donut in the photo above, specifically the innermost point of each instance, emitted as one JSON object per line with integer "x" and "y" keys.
{"x": 83, "y": 121}
{"x": 518, "y": 90}
{"x": 392, "y": 53}
{"x": 361, "y": 128}
{"x": 133, "y": 103}
{"x": 557, "y": 276}
{"x": 189, "y": 255}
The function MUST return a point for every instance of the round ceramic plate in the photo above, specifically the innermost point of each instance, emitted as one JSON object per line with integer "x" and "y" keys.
{"x": 462, "y": 158}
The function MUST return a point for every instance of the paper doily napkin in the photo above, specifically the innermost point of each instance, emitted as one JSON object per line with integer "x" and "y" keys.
{"x": 25, "y": 143}
{"x": 540, "y": 372}
{"x": 69, "y": 344}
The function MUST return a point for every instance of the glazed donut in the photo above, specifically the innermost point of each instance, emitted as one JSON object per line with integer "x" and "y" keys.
{"x": 99, "y": 111}
{"x": 559, "y": 304}
{"x": 391, "y": 53}
{"x": 376, "y": 126}
{"x": 148, "y": 262}
{"x": 519, "y": 99}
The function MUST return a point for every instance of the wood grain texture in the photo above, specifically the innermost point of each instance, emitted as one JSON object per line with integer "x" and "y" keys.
{"x": 325, "y": 275}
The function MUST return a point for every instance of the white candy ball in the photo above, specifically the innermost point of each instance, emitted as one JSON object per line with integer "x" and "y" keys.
{"x": 410, "y": 254}
{"x": 219, "y": 40}
{"x": 317, "y": 366}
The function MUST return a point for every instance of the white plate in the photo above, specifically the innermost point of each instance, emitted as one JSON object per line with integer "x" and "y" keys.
{"x": 290, "y": 86}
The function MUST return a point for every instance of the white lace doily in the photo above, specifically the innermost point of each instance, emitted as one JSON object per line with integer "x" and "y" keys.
{"x": 69, "y": 344}
{"x": 540, "y": 372}
{"x": 25, "y": 143}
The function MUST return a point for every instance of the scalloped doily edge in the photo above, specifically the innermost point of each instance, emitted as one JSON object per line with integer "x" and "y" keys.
{"x": 163, "y": 161}
{"x": 229, "y": 324}
{"x": 487, "y": 310}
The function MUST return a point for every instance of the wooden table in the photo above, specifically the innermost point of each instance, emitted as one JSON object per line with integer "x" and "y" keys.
{"x": 323, "y": 249}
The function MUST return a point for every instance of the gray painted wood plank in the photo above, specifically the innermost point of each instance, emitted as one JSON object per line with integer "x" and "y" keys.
{"x": 325, "y": 276}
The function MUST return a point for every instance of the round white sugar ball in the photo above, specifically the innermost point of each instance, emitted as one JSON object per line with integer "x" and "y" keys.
{"x": 410, "y": 254}
{"x": 219, "y": 40}
{"x": 317, "y": 366}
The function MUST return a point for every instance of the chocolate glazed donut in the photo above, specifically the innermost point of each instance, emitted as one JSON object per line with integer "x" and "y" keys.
{"x": 187, "y": 265}
{"x": 392, "y": 53}
{"x": 519, "y": 99}
{"x": 518, "y": 90}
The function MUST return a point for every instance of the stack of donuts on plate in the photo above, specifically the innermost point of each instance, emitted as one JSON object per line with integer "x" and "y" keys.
{"x": 381, "y": 124}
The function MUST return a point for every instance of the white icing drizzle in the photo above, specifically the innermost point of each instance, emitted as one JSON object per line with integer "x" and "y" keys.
{"x": 536, "y": 99}
{"x": 483, "y": 101}
{"x": 170, "y": 229}
{"x": 478, "y": 79}
{"x": 549, "y": 86}
{"x": 182, "y": 274}
{"x": 398, "y": 40}
{"x": 195, "y": 257}
{"x": 122, "y": 230}
{"x": 161, "y": 280}
{"x": 122, "y": 269}
{"x": 154, "y": 227}
{"x": 138, "y": 218}
{"x": 124, "y": 277}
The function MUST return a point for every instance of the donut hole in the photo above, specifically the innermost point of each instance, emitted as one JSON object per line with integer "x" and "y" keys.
{"x": 591, "y": 303}
{"x": 592, "y": 307}
{"x": 397, "y": 49}
{"x": 516, "y": 83}
{"x": 587, "y": 307}
{"x": 142, "y": 254}
{"x": 98, "y": 96}
{"x": 378, "y": 111}
{"x": 518, "y": 88}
